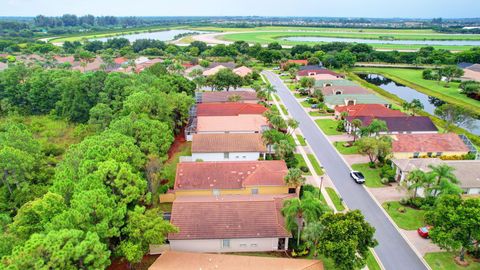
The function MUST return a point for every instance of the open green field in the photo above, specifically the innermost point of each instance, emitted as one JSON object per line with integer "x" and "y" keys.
{"x": 266, "y": 35}
{"x": 413, "y": 79}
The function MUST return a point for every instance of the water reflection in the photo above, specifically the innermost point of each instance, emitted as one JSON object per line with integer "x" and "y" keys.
{"x": 408, "y": 94}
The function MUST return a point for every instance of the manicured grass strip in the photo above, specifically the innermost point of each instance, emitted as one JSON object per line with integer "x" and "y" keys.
{"x": 306, "y": 104}
{"x": 411, "y": 219}
{"x": 372, "y": 262}
{"x": 301, "y": 163}
{"x": 351, "y": 150}
{"x": 372, "y": 176}
{"x": 315, "y": 164}
{"x": 297, "y": 95}
{"x": 284, "y": 110}
{"x": 301, "y": 140}
{"x": 328, "y": 126}
{"x": 445, "y": 261}
{"x": 335, "y": 199}
{"x": 316, "y": 113}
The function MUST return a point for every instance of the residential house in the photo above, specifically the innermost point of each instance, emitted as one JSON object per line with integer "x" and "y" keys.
{"x": 229, "y": 224}
{"x": 334, "y": 82}
{"x": 226, "y": 147}
{"x": 372, "y": 110}
{"x": 229, "y": 109}
{"x": 244, "y": 123}
{"x": 472, "y": 73}
{"x": 345, "y": 100}
{"x": 312, "y": 70}
{"x": 224, "y": 96}
{"x": 65, "y": 59}
{"x": 174, "y": 260}
{"x": 323, "y": 77}
{"x": 215, "y": 178}
{"x": 293, "y": 61}
{"x": 144, "y": 65}
{"x": 243, "y": 71}
{"x": 396, "y": 124}
{"x": 466, "y": 171}
{"x": 213, "y": 71}
{"x": 229, "y": 65}
{"x": 428, "y": 145}
{"x": 189, "y": 70}
{"x": 94, "y": 65}
{"x": 344, "y": 90}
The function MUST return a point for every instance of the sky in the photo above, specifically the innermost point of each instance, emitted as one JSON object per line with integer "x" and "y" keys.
{"x": 314, "y": 8}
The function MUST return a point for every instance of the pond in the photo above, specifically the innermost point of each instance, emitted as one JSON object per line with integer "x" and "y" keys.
{"x": 386, "y": 41}
{"x": 408, "y": 94}
{"x": 160, "y": 35}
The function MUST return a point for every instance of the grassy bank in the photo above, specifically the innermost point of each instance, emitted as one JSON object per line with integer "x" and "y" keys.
{"x": 335, "y": 199}
{"x": 396, "y": 101}
{"x": 328, "y": 126}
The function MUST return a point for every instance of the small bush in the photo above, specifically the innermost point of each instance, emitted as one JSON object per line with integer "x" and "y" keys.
{"x": 304, "y": 169}
{"x": 372, "y": 165}
{"x": 163, "y": 189}
{"x": 416, "y": 202}
{"x": 341, "y": 126}
{"x": 385, "y": 181}
{"x": 388, "y": 173}
{"x": 401, "y": 209}
{"x": 403, "y": 201}
{"x": 330, "y": 110}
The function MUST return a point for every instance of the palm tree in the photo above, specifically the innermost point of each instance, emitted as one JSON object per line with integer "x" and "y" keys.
{"x": 443, "y": 173}
{"x": 269, "y": 89}
{"x": 415, "y": 180}
{"x": 294, "y": 178}
{"x": 270, "y": 137}
{"x": 311, "y": 236}
{"x": 283, "y": 149}
{"x": 298, "y": 212}
{"x": 292, "y": 124}
{"x": 356, "y": 124}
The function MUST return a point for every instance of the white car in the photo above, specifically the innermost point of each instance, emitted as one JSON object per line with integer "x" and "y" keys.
{"x": 358, "y": 177}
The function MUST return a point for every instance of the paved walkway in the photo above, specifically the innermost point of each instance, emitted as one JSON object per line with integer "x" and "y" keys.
{"x": 390, "y": 193}
{"x": 421, "y": 244}
{"x": 354, "y": 159}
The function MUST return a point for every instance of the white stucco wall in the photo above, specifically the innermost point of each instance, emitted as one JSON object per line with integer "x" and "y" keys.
{"x": 473, "y": 191}
{"x": 236, "y": 245}
{"x": 233, "y": 156}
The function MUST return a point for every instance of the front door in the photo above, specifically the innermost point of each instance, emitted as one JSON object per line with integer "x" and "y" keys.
{"x": 281, "y": 244}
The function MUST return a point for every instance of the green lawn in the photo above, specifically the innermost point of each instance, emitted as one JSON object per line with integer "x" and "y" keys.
{"x": 170, "y": 167}
{"x": 413, "y": 78}
{"x": 305, "y": 104}
{"x": 315, "y": 164}
{"x": 411, "y": 219}
{"x": 372, "y": 176}
{"x": 345, "y": 150}
{"x": 372, "y": 262}
{"x": 284, "y": 110}
{"x": 328, "y": 126}
{"x": 335, "y": 199}
{"x": 260, "y": 35}
{"x": 301, "y": 140}
{"x": 301, "y": 163}
{"x": 297, "y": 95}
{"x": 445, "y": 261}
{"x": 317, "y": 113}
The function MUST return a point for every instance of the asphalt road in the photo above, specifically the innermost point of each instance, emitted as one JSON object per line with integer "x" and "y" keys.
{"x": 393, "y": 250}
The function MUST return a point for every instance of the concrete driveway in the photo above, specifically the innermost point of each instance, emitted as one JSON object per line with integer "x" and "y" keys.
{"x": 393, "y": 250}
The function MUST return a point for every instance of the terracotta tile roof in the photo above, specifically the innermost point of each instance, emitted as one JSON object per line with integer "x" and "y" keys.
{"x": 120, "y": 60}
{"x": 213, "y": 71}
{"x": 323, "y": 77}
{"x": 210, "y": 97}
{"x": 64, "y": 59}
{"x": 305, "y": 70}
{"x": 229, "y": 142}
{"x": 229, "y": 109}
{"x": 439, "y": 142}
{"x": 299, "y": 62}
{"x": 230, "y": 65}
{"x": 229, "y": 174}
{"x": 332, "y": 90}
{"x": 228, "y": 217}
{"x": 373, "y": 110}
{"x": 240, "y": 123}
{"x": 242, "y": 71}
{"x": 400, "y": 123}
{"x": 175, "y": 260}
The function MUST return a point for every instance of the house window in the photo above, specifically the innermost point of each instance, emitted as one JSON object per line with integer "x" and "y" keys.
{"x": 416, "y": 155}
{"x": 253, "y": 245}
{"x": 226, "y": 155}
{"x": 226, "y": 243}
{"x": 243, "y": 245}
{"x": 429, "y": 154}
{"x": 292, "y": 190}
{"x": 439, "y": 154}
{"x": 216, "y": 192}
{"x": 281, "y": 244}
{"x": 254, "y": 191}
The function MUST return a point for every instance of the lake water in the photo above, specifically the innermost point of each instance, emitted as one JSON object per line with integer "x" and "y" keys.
{"x": 161, "y": 35}
{"x": 377, "y": 41}
{"x": 408, "y": 94}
